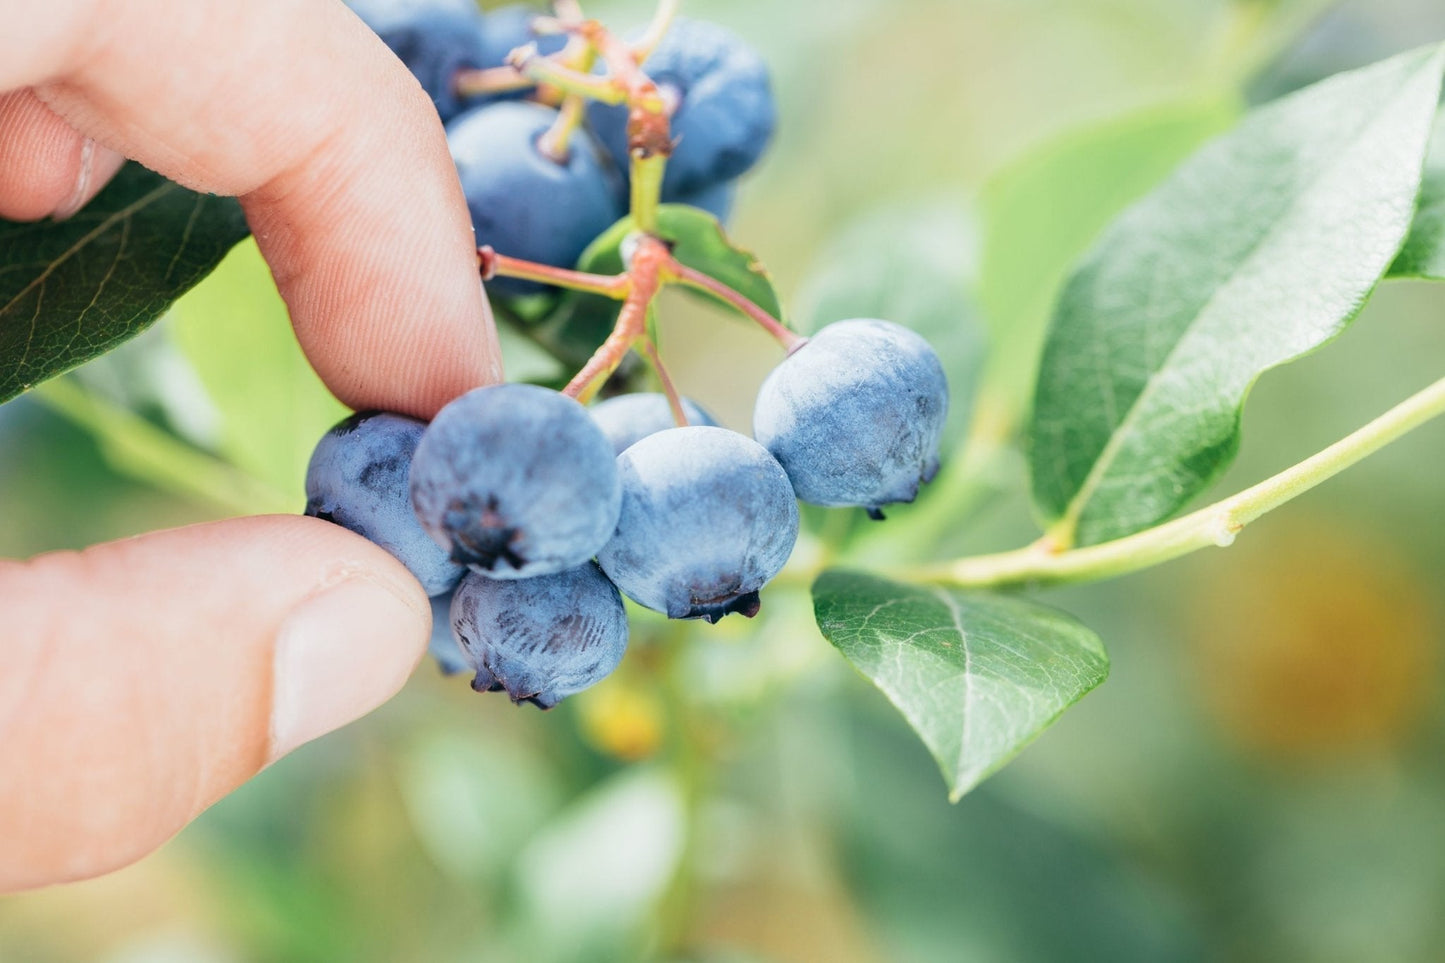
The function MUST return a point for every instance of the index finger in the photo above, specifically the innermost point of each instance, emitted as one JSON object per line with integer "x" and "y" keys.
{"x": 336, "y": 153}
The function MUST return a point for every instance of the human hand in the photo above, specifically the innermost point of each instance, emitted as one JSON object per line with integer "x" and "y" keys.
{"x": 142, "y": 680}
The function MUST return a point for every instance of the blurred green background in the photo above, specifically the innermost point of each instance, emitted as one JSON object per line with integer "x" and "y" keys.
{"x": 1261, "y": 778}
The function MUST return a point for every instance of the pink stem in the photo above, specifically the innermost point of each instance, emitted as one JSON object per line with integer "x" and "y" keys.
{"x": 790, "y": 340}
{"x": 493, "y": 265}
{"x": 490, "y": 80}
{"x": 674, "y": 400}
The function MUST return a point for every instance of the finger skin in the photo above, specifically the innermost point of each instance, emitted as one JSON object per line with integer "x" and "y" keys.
{"x": 335, "y": 151}
{"x": 40, "y": 157}
{"x": 137, "y": 678}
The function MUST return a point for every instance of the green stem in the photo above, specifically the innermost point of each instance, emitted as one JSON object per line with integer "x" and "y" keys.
{"x": 142, "y": 450}
{"x": 649, "y": 113}
{"x": 555, "y": 143}
{"x": 490, "y": 80}
{"x": 1217, "y": 525}
{"x": 646, "y": 197}
{"x": 545, "y": 70}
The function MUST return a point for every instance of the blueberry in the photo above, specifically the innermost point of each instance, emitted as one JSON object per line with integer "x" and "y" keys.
{"x": 510, "y": 27}
{"x": 444, "y": 647}
{"x": 541, "y": 639}
{"x": 523, "y": 203}
{"x": 357, "y": 478}
{"x": 855, "y": 415}
{"x": 708, "y": 517}
{"x": 716, "y": 200}
{"x": 627, "y": 419}
{"x": 725, "y": 114}
{"x": 434, "y": 38}
{"x": 516, "y": 481}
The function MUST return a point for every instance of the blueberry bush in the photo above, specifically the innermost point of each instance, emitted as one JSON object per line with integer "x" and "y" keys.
{"x": 918, "y": 375}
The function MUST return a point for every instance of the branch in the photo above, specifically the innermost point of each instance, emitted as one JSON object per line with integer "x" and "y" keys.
{"x": 682, "y": 274}
{"x": 1216, "y": 525}
{"x": 491, "y": 264}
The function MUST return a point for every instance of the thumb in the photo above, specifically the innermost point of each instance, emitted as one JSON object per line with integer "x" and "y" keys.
{"x": 144, "y": 679}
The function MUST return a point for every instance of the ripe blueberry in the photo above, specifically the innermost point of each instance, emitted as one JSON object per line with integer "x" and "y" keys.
{"x": 627, "y": 419}
{"x": 357, "y": 478}
{"x": 708, "y": 517}
{"x": 541, "y": 639}
{"x": 524, "y": 203}
{"x": 444, "y": 646}
{"x": 725, "y": 112}
{"x": 855, "y": 415}
{"x": 510, "y": 27}
{"x": 516, "y": 481}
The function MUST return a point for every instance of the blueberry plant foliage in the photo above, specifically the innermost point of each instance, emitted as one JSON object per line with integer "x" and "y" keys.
{"x": 1261, "y": 247}
{"x": 1120, "y": 377}
{"x": 73, "y": 290}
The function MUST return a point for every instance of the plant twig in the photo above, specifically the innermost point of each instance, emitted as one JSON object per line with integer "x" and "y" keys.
{"x": 491, "y": 264}
{"x": 649, "y": 120}
{"x": 490, "y": 80}
{"x": 1216, "y": 525}
{"x": 555, "y": 141}
{"x": 674, "y": 400}
{"x": 681, "y": 273}
{"x": 644, "y": 280}
{"x": 661, "y": 21}
{"x": 545, "y": 70}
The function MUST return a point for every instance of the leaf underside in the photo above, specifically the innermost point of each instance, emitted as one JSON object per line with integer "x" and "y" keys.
{"x": 1261, "y": 247}
{"x": 73, "y": 289}
{"x": 977, "y": 676}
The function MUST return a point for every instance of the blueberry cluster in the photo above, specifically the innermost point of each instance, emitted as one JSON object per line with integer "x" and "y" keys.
{"x": 531, "y": 512}
{"x": 526, "y": 516}
{"x": 544, "y": 200}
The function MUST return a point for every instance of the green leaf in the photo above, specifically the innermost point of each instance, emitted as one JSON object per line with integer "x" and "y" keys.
{"x": 1423, "y": 255}
{"x": 569, "y": 331}
{"x": 73, "y": 289}
{"x": 1041, "y": 213}
{"x": 977, "y": 676}
{"x": 524, "y": 359}
{"x": 235, "y": 331}
{"x": 697, "y": 240}
{"x": 916, "y": 265}
{"x": 1261, "y": 247}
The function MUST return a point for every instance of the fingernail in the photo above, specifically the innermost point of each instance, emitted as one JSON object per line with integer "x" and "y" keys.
{"x": 97, "y": 166}
{"x": 339, "y": 655}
